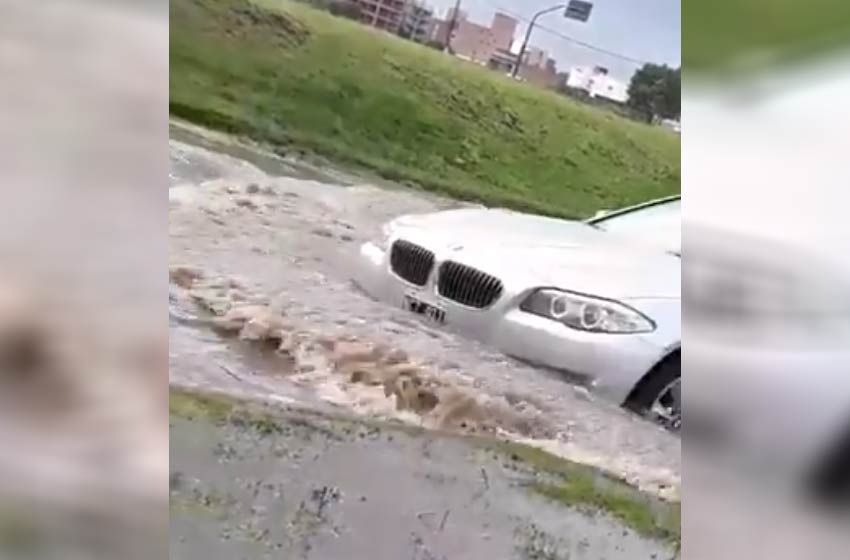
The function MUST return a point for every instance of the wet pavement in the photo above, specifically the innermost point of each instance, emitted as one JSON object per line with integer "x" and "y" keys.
{"x": 282, "y": 232}
{"x": 310, "y": 487}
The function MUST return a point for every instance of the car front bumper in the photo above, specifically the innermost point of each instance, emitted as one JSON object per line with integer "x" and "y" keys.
{"x": 612, "y": 364}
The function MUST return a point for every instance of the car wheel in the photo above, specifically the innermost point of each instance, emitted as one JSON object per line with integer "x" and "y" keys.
{"x": 829, "y": 481}
{"x": 659, "y": 395}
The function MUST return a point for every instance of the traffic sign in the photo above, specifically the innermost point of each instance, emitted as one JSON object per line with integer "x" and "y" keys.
{"x": 579, "y": 9}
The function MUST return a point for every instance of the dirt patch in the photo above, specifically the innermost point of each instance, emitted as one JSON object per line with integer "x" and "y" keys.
{"x": 245, "y": 20}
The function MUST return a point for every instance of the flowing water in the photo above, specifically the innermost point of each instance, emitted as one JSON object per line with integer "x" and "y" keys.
{"x": 253, "y": 227}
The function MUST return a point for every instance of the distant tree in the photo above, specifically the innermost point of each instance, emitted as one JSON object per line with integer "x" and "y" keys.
{"x": 672, "y": 98}
{"x": 656, "y": 91}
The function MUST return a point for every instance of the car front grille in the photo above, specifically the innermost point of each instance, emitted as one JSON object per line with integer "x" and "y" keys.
{"x": 468, "y": 286}
{"x": 411, "y": 262}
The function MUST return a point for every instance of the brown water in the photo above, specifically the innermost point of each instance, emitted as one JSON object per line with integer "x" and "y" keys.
{"x": 289, "y": 233}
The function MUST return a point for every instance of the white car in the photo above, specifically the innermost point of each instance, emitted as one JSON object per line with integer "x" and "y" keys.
{"x": 599, "y": 300}
{"x": 768, "y": 354}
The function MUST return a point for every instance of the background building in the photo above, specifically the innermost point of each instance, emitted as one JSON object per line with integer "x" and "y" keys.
{"x": 543, "y": 75}
{"x": 476, "y": 42}
{"x": 503, "y": 60}
{"x": 450, "y": 14}
{"x": 504, "y": 30}
{"x": 535, "y": 57}
{"x": 473, "y": 41}
{"x": 597, "y": 83}
{"x": 417, "y": 22}
{"x": 388, "y": 15}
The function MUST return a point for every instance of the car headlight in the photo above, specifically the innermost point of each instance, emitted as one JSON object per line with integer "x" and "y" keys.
{"x": 587, "y": 313}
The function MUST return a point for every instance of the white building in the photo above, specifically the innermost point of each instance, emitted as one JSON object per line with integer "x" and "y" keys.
{"x": 597, "y": 83}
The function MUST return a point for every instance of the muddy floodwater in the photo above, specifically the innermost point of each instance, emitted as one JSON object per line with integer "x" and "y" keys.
{"x": 262, "y": 304}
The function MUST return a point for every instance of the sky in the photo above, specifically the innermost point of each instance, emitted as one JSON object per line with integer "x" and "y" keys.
{"x": 645, "y": 30}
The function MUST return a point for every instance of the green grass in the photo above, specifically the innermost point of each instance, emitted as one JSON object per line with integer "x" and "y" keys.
{"x": 296, "y": 78}
{"x": 219, "y": 408}
{"x": 579, "y": 485}
{"x": 265, "y": 419}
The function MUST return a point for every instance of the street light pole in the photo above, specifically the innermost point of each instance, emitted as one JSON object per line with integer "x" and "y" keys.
{"x": 452, "y": 27}
{"x": 528, "y": 35}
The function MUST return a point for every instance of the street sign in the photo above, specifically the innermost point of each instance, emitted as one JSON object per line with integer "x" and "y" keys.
{"x": 579, "y": 9}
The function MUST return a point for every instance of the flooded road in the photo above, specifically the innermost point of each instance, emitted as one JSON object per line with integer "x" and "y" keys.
{"x": 278, "y": 236}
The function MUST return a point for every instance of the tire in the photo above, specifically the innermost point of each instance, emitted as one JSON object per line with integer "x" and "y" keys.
{"x": 651, "y": 387}
{"x": 829, "y": 482}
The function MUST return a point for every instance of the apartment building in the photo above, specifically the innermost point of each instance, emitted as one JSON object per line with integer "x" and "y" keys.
{"x": 460, "y": 16}
{"x": 388, "y": 15}
{"x": 417, "y": 22}
{"x": 503, "y": 29}
{"x": 473, "y": 41}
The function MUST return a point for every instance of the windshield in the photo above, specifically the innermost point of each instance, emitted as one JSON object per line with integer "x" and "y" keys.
{"x": 658, "y": 224}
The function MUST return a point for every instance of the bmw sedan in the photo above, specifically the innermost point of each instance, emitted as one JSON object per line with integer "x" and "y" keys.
{"x": 598, "y": 300}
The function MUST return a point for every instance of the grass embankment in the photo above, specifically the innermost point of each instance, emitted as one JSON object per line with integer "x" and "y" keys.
{"x": 739, "y": 37}
{"x": 568, "y": 483}
{"x": 297, "y": 78}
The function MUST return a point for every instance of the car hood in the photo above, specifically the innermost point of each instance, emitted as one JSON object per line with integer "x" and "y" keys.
{"x": 517, "y": 229}
{"x": 528, "y": 251}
